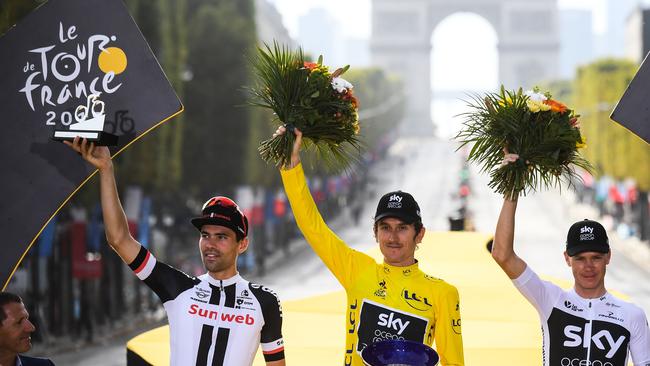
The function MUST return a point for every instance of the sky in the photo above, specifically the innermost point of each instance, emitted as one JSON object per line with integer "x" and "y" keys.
{"x": 453, "y": 67}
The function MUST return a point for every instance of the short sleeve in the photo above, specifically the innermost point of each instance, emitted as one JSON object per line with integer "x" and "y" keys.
{"x": 640, "y": 339}
{"x": 166, "y": 281}
{"x": 541, "y": 294}
{"x": 271, "y": 335}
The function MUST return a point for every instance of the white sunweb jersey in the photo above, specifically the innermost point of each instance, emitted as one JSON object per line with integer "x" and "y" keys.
{"x": 586, "y": 332}
{"x": 214, "y": 322}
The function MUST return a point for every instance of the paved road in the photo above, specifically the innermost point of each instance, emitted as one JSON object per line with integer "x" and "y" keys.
{"x": 429, "y": 169}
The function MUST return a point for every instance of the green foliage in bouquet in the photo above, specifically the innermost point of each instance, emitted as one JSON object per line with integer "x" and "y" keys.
{"x": 543, "y": 134}
{"x": 307, "y": 96}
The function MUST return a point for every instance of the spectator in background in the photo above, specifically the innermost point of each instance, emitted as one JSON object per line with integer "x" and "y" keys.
{"x": 15, "y": 333}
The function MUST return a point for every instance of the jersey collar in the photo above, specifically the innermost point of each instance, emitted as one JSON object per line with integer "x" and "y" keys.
{"x": 227, "y": 282}
{"x": 407, "y": 271}
{"x": 601, "y": 298}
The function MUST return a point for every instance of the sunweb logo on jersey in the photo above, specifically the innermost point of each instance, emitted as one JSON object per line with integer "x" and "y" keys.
{"x": 224, "y": 317}
{"x": 603, "y": 340}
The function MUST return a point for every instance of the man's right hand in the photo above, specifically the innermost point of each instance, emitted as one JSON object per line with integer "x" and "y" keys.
{"x": 98, "y": 156}
{"x": 295, "y": 153}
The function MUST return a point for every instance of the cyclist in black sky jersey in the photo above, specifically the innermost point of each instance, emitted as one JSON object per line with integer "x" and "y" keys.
{"x": 585, "y": 326}
{"x": 217, "y": 318}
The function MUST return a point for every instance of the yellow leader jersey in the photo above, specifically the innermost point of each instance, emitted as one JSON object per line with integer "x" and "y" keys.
{"x": 384, "y": 302}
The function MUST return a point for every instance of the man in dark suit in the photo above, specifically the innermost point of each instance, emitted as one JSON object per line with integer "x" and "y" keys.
{"x": 15, "y": 331}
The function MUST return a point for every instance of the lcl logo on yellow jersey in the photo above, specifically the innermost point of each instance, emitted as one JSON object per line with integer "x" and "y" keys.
{"x": 415, "y": 301}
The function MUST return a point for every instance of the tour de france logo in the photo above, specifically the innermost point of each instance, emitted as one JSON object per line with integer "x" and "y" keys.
{"x": 77, "y": 70}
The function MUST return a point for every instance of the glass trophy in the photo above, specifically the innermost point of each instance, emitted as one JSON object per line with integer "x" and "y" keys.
{"x": 89, "y": 124}
{"x": 399, "y": 353}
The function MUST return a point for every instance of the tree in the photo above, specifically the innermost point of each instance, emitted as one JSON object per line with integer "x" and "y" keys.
{"x": 11, "y": 11}
{"x": 217, "y": 127}
{"x": 382, "y": 103}
{"x": 611, "y": 148}
{"x": 155, "y": 162}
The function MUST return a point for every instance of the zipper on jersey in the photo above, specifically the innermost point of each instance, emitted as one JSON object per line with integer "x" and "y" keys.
{"x": 590, "y": 331}
{"x": 222, "y": 302}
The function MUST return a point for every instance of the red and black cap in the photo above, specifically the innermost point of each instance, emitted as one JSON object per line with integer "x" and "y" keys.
{"x": 222, "y": 211}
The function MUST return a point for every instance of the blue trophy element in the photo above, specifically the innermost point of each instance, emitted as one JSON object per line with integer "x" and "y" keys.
{"x": 399, "y": 353}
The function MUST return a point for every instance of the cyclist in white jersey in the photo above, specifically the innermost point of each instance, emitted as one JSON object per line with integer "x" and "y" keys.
{"x": 585, "y": 326}
{"x": 214, "y": 319}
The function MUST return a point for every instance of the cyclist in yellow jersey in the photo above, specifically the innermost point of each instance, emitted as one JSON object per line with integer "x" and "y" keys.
{"x": 391, "y": 300}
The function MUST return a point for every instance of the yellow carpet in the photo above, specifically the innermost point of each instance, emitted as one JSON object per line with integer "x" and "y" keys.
{"x": 499, "y": 326}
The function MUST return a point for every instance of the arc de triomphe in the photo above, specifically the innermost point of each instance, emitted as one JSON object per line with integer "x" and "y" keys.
{"x": 401, "y": 43}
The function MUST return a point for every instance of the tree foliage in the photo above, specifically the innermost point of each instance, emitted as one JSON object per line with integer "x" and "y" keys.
{"x": 382, "y": 103}
{"x": 611, "y": 148}
{"x": 11, "y": 11}
{"x": 216, "y": 135}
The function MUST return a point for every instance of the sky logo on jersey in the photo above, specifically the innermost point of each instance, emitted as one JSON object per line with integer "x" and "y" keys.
{"x": 379, "y": 322}
{"x": 603, "y": 340}
{"x": 392, "y": 322}
{"x": 224, "y": 317}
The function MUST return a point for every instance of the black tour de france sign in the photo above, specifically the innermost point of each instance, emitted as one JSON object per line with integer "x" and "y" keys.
{"x": 71, "y": 67}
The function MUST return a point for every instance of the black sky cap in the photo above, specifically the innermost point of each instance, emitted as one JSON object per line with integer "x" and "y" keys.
{"x": 633, "y": 110}
{"x": 400, "y": 205}
{"x": 586, "y": 236}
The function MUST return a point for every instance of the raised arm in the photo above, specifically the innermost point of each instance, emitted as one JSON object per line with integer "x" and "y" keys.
{"x": 295, "y": 152}
{"x": 503, "y": 246}
{"x": 334, "y": 252}
{"x": 115, "y": 223}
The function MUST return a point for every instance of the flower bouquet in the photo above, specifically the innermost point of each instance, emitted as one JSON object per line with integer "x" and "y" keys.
{"x": 306, "y": 95}
{"x": 525, "y": 140}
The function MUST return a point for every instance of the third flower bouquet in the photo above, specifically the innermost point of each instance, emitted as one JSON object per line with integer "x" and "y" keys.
{"x": 306, "y": 95}
{"x": 525, "y": 140}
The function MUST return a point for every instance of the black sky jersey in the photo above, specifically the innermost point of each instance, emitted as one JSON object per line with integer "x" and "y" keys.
{"x": 214, "y": 322}
{"x": 586, "y": 332}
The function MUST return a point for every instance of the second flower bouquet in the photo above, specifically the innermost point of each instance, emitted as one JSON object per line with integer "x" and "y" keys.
{"x": 306, "y": 95}
{"x": 525, "y": 140}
